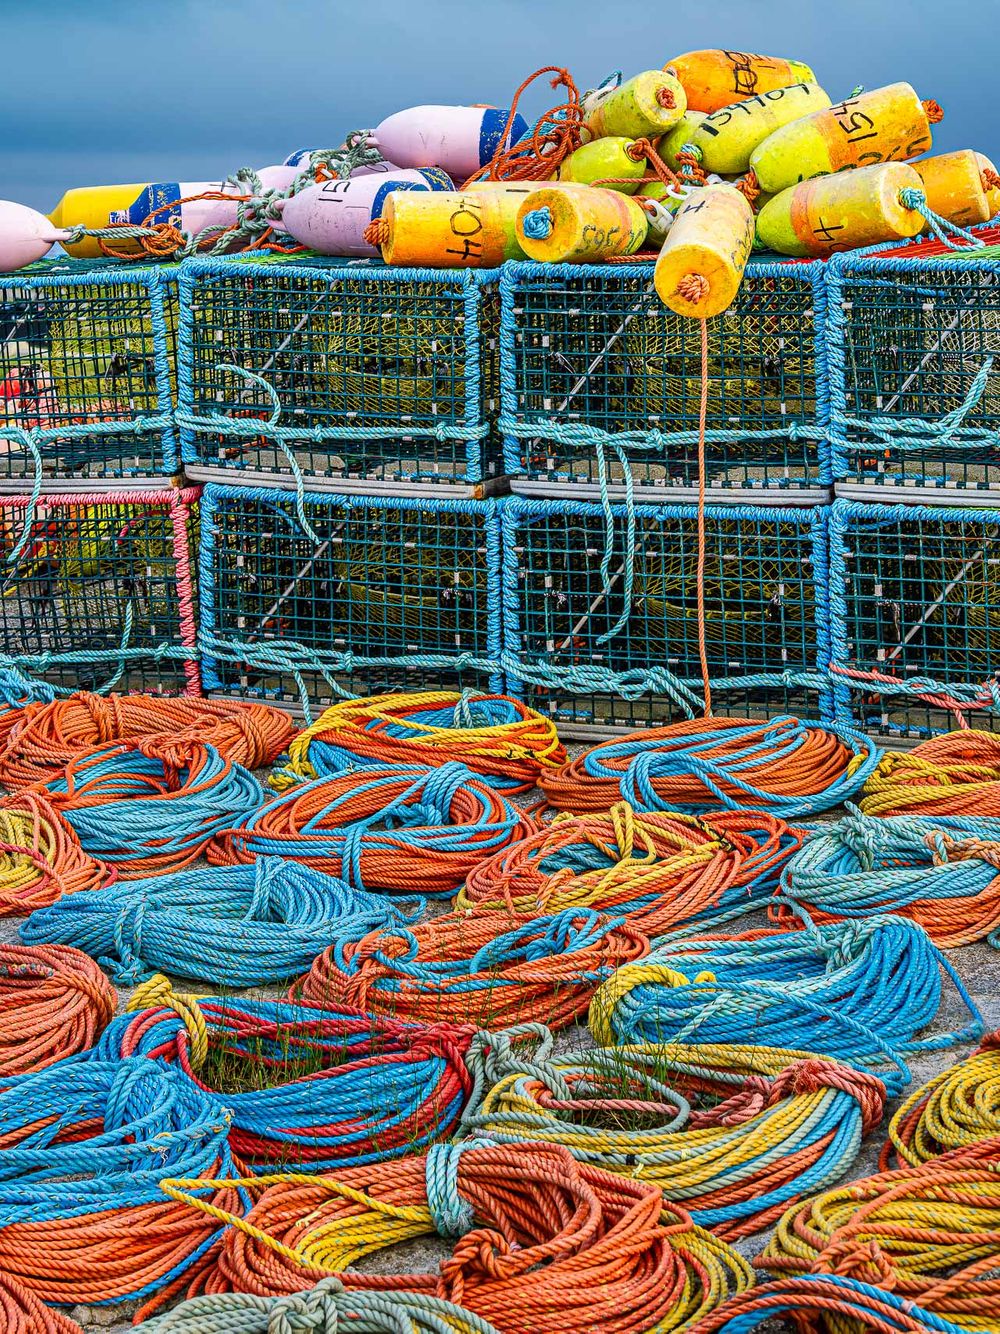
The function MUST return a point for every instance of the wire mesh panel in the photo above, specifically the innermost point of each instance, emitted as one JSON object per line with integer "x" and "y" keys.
{"x": 619, "y": 646}
{"x": 347, "y": 593}
{"x": 915, "y": 615}
{"x": 914, "y": 392}
{"x": 87, "y": 370}
{"x": 595, "y": 370}
{"x": 97, "y": 589}
{"x": 353, "y": 374}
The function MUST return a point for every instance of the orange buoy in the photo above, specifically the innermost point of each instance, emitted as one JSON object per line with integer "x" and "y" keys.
{"x": 713, "y": 79}
{"x": 956, "y": 186}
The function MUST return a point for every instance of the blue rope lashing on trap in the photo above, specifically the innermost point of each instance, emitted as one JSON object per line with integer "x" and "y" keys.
{"x": 862, "y": 992}
{"x": 330, "y": 1088}
{"x": 232, "y": 926}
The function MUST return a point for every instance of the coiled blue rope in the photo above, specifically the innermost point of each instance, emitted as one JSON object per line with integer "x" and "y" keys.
{"x": 942, "y": 872}
{"x": 337, "y": 1088}
{"x": 232, "y": 926}
{"x": 858, "y": 991}
{"x": 138, "y": 805}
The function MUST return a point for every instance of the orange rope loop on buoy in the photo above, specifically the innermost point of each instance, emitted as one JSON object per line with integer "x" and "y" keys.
{"x": 556, "y": 134}
{"x": 933, "y": 110}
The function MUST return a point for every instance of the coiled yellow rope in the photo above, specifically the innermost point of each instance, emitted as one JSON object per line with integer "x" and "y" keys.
{"x": 957, "y": 1109}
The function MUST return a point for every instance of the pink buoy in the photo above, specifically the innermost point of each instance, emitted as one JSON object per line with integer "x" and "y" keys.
{"x": 24, "y": 235}
{"x": 332, "y": 217}
{"x": 460, "y": 140}
{"x": 196, "y": 214}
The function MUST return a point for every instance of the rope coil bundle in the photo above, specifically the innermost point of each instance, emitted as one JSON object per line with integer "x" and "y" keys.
{"x": 324, "y": 1309}
{"x": 489, "y": 969}
{"x": 930, "y": 1234}
{"x": 941, "y": 873}
{"x": 84, "y": 1145}
{"x": 327, "y": 1089}
{"x": 234, "y": 926}
{"x": 955, "y": 1110}
{"x": 152, "y": 806}
{"x": 541, "y": 1244}
{"x": 22, "y": 1313}
{"x": 659, "y": 869}
{"x": 494, "y": 736}
{"x": 40, "y": 856}
{"x": 957, "y": 773}
{"x": 46, "y": 736}
{"x": 404, "y": 828}
{"x": 54, "y": 1002}
{"x": 790, "y": 768}
{"x": 739, "y": 1131}
{"x": 827, "y": 1301}
{"x": 860, "y": 992}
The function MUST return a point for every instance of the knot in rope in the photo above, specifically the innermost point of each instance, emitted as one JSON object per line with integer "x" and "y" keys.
{"x": 313, "y": 1312}
{"x": 948, "y": 849}
{"x": 537, "y": 223}
{"x": 158, "y": 993}
{"x": 933, "y": 110}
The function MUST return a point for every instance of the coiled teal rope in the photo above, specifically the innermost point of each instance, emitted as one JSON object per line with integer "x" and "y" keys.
{"x": 233, "y": 926}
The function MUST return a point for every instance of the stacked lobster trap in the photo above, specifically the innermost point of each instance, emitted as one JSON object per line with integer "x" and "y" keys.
{"x": 343, "y": 418}
{"x": 601, "y": 396}
{"x": 96, "y": 526}
{"x": 914, "y": 341}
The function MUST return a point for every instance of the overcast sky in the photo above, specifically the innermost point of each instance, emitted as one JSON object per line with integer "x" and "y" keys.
{"x": 134, "y": 90}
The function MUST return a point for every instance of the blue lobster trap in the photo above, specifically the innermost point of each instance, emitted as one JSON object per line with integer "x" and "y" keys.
{"x": 351, "y": 376}
{"x": 914, "y": 367}
{"x": 306, "y": 599}
{"x": 915, "y": 616}
{"x": 598, "y": 379}
{"x": 96, "y": 589}
{"x": 601, "y": 627}
{"x": 87, "y": 369}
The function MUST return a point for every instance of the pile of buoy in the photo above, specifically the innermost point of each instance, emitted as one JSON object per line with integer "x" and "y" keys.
{"x": 692, "y": 165}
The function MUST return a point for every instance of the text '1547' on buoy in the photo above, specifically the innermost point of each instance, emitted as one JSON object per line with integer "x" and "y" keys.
{"x": 701, "y": 265}
{"x": 728, "y": 137}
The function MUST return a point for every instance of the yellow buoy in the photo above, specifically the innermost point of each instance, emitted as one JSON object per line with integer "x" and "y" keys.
{"x": 463, "y": 229}
{"x": 728, "y": 136}
{"x": 95, "y": 206}
{"x": 955, "y": 188}
{"x": 608, "y": 159}
{"x": 831, "y": 213}
{"x": 648, "y": 104}
{"x": 991, "y": 183}
{"x": 888, "y": 124}
{"x": 682, "y": 133}
{"x": 713, "y": 79}
{"x": 572, "y": 225}
{"x": 700, "y": 268}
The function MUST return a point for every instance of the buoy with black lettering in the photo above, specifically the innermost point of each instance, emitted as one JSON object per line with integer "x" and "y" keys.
{"x": 828, "y": 214}
{"x": 614, "y": 162}
{"x": 713, "y": 79}
{"x": 683, "y": 132}
{"x": 887, "y": 124}
{"x": 580, "y": 225}
{"x": 459, "y": 140}
{"x": 332, "y": 217}
{"x": 957, "y": 186}
{"x": 701, "y": 265}
{"x": 728, "y": 136}
{"x": 25, "y": 235}
{"x": 647, "y": 104}
{"x": 458, "y": 229}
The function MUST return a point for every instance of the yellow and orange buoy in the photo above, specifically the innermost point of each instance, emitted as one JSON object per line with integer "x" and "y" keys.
{"x": 887, "y": 124}
{"x": 714, "y": 79}
{"x": 728, "y": 137}
{"x": 822, "y": 216}
{"x": 460, "y": 229}
{"x": 957, "y": 186}
{"x": 580, "y": 224}
{"x": 647, "y": 104}
{"x": 611, "y": 159}
{"x": 700, "y": 268}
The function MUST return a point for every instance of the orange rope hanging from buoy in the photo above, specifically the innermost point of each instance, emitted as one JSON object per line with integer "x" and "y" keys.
{"x": 40, "y": 856}
{"x": 54, "y": 1002}
{"x": 555, "y": 135}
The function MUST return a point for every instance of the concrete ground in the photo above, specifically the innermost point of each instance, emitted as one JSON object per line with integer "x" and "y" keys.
{"x": 978, "y": 966}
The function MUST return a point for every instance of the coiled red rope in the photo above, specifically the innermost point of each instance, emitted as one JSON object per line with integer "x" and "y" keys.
{"x": 54, "y": 1002}
{"x": 22, "y": 1313}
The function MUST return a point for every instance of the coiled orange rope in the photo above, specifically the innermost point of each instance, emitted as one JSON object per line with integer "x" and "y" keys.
{"x": 542, "y": 1244}
{"x": 494, "y": 736}
{"x": 54, "y": 1002}
{"x": 957, "y": 773}
{"x": 22, "y": 1313}
{"x": 40, "y": 857}
{"x": 489, "y": 969}
{"x": 661, "y": 869}
{"x": 46, "y": 737}
{"x": 957, "y": 1109}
